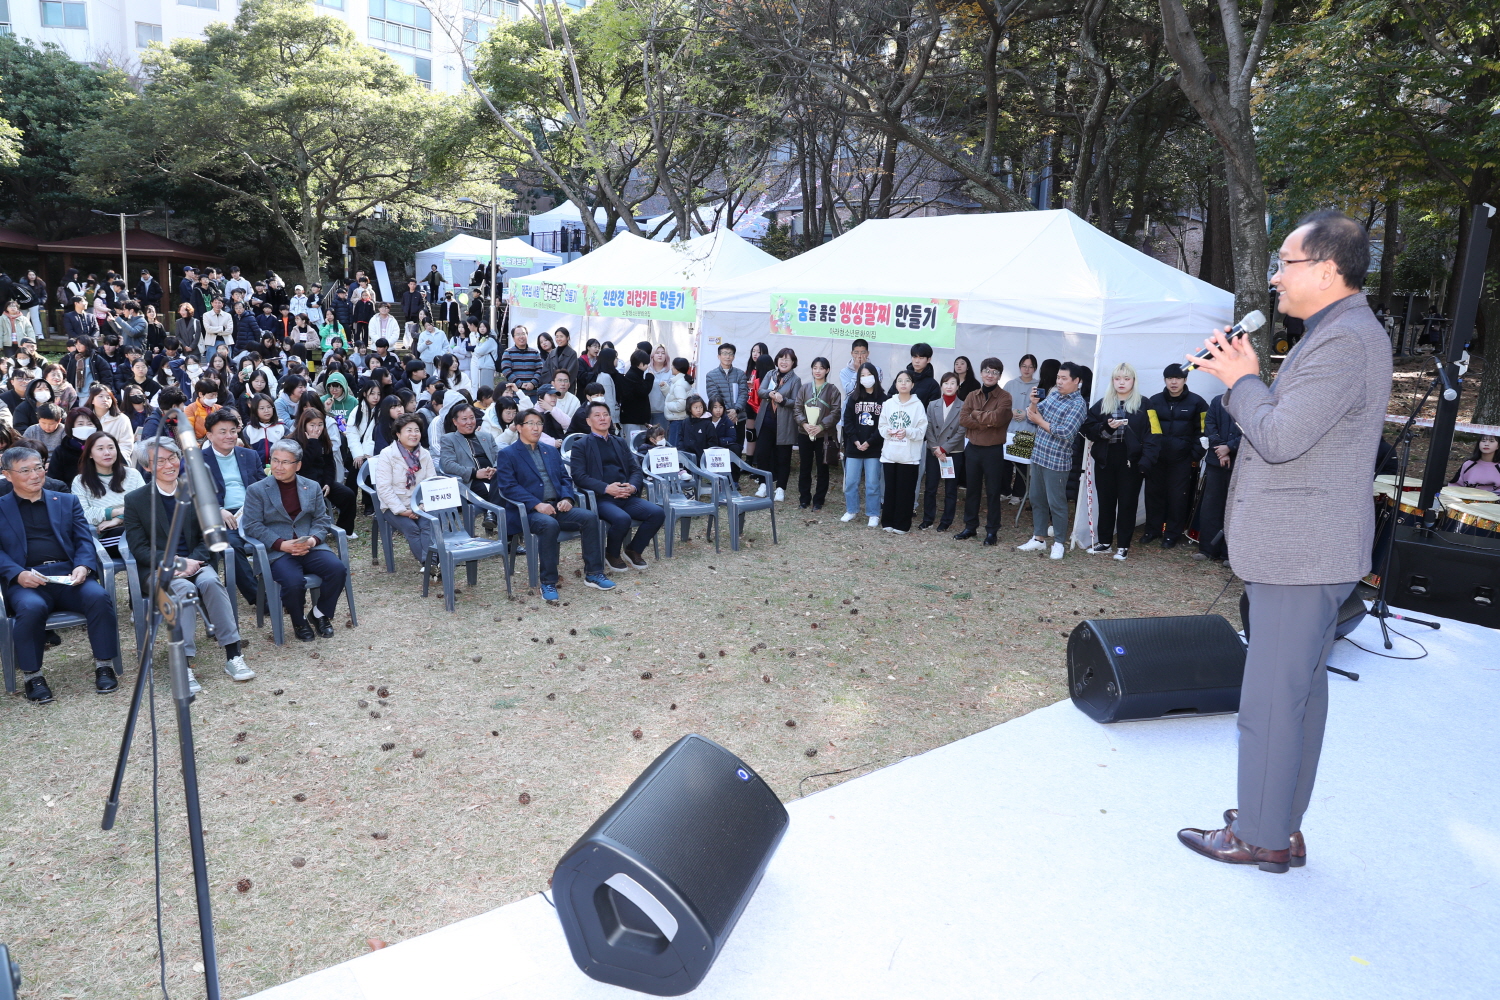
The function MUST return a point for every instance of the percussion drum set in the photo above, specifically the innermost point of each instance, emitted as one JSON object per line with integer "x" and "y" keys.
{"x": 1464, "y": 510}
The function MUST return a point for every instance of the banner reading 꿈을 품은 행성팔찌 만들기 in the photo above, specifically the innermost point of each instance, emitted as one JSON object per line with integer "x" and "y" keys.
{"x": 884, "y": 319}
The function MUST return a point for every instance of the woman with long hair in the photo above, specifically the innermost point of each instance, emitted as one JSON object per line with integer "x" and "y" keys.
{"x": 101, "y": 400}
{"x": 903, "y": 425}
{"x": 104, "y": 477}
{"x": 391, "y": 409}
{"x": 1118, "y": 425}
{"x": 967, "y": 380}
{"x": 756, "y": 369}
{"x": 262, "y": 427}
{"x": 816, "y": 413}
{"x": 318, "y": 464}
{"x": 156, "y": 332}
{"x": 862, "y": 445}
{"x": 776, "y": 426}
{"x": 80, "y": 425}
{"x": 1481, "y": 470}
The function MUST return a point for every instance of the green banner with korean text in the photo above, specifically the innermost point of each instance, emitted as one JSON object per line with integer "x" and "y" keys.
{"x": 678, "y": 305}
{"x": 881, "y": 319}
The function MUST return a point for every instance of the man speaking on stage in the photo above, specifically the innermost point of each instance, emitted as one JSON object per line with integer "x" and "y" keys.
{"x": 1304, "y": 472}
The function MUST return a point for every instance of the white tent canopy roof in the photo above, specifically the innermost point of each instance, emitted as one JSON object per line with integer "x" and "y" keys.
{"x": 466, "y": 247}
{"x": 1041, "y": 270}
{"x": 553, "y": 219}
{"x": 631, "y": 260}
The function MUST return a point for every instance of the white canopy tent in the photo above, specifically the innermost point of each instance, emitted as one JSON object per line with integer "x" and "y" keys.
{"x": 456, "y": 258}
{"x": 1042, "y": 283}
{"x": 629, "y": 262}
{"x": 563, "y": 216}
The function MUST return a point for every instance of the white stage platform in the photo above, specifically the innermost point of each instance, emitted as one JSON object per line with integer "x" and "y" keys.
{"x": 1038, "y": 859}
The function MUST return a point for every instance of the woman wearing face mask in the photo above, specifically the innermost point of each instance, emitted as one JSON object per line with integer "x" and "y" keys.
{"x": 38, "y": 393}
{"x": 862, "y": 445}
{"x": 144, "y": 418}
{"x": 111, "y": 420}
{"x": 102, "y": 482}
{"x": 79, "y": 426}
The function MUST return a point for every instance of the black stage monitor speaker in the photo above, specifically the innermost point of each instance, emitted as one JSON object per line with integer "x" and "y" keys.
{"x": 1442, "y": 573}
{"x": 1149, "y": 668}
{"x": 647, "y": 897}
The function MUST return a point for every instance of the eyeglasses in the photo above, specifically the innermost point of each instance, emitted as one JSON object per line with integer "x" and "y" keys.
{"x": 35, "y": 470}
{"x": 1278, "y": 265}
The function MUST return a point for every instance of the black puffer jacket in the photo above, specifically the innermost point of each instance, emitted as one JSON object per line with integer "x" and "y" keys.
{"x": 1176, "y": 425}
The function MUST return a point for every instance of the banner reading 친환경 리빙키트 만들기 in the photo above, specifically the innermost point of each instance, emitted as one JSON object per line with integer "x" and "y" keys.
{"x": 881, "y": 319}
{"x": 624, "y": 301}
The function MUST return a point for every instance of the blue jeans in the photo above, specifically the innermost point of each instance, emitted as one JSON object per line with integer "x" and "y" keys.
{"x": 546, "y": 527}
{"x": 618, "y": 516}
{"x": 874, "y": 478}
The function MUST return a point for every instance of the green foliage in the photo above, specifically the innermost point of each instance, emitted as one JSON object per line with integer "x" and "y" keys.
{"x": 48, "y": 99}
{"x": 284, "y": 112}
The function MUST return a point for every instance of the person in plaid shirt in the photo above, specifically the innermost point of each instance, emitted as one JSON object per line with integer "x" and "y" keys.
{"x": 1057, "y": 419}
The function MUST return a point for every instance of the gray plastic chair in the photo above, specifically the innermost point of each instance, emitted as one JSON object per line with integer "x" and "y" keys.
{"x": 738, "y": 504}
{"x": 450, "y": 540}
{"x": 381, "y": 532}
{"x": 57, "y": 620}
{"x": 528, "y": 540}
{"x": 268, "y": 591}
{"x": 681, "y": 505}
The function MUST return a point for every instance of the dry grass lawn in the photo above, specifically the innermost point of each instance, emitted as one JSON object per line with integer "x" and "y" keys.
{"x": 840, "y": 649}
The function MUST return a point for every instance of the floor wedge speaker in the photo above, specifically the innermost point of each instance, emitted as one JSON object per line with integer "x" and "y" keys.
{"x": 647, "y": 897}
{"x": 1447, "y": 574}
{"x": 1150, "y": 668}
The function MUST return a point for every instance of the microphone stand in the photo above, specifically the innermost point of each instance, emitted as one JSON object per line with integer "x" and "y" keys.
{"x": 172, "y": 610}
{"x": 1381, "y": 608}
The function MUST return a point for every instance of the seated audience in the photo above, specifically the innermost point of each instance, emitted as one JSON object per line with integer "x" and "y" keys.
{"x": 162, "y": 460}
{"x": 45, "y": 534}
{"x": 531, "y": 473}
{"x": 233, "y": 469}
{"x": 102, "y": 483}
{"x": 287, "y": 515}
{"x": 603, "y": 465}
{"x": 318, "y": 464}
{"x": 395, "y": 473}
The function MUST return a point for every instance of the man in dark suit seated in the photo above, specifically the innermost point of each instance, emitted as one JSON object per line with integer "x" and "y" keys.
{"x": 287, "y": 514}
{"x": 604, "y": 466}
{"x": 531, "y": 473}
{"x": 162, "y": 460}
{"x": 234, "y": 470}
{"x": 44, "y": 534}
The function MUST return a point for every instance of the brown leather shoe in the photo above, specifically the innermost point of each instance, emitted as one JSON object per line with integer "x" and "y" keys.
{"x": 1223, "y": 845}
{"x": 1297, "y": 858}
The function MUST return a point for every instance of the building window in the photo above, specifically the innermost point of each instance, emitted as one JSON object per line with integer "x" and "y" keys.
{"x": 415, "y": 65}
{"x": 335, "y": 4}
{"x": 205, "y": 4}
{"x": 145, "y": 34}
{"x": 5, "y": 28}
{"x": 59, "y": 14}
{"x": 401, "y": 22}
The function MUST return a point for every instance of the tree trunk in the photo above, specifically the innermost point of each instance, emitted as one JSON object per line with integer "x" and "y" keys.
{"x": 1247, "y": 238}
{"x": 1388, "y": 248}
{"x": 1486, "y": 341}
{"x": 1217, "y": 253}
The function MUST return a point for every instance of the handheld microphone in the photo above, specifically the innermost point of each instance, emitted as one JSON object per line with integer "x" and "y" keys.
{"x": 201, "y": 485}
{"x": 1449, "y": 393}
{"x": 1249, "y": 324}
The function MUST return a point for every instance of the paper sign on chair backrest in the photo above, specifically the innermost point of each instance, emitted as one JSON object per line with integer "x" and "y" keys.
{"x": 717, "y": 461}
{"x": 661, "y": 461}
{"x": 440, "y": 493}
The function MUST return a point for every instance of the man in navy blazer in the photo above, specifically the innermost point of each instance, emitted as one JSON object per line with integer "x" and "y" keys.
{"x": 603, "y": 465}
{"x": 234, "y": 471}
{"x": 44, "y": 534}
{"x": 531, "y": 473}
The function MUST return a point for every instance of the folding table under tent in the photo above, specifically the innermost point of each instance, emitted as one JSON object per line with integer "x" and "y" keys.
{"x": 457, "y": 258}
{"x": 633, "y": 289}
{"x": 992, "y": 285}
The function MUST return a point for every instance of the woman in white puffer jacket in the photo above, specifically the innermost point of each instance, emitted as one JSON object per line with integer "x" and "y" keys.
{"x": 903, "y": 426}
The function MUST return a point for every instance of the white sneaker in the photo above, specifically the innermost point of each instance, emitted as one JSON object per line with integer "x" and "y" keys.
{"x": 896, "y": 531}
{"x": 353, "y": 536}
{"x": 874, "y": 522}
{"x": 1015, "y": 501}
{"x": 849, "y": 516}
{"x": 1057, "y": 550}
{"x": 780, "y": 494}
{"x": 193, "y": 686}
{"x": 1122, "y": 555}
{"x": 762, "y": 491}
{"x": 238, "y": 670}
{"x": 1034, "y": 545}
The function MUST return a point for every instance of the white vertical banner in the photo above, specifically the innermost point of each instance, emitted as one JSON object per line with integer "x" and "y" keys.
{"x": 383, "y": 282}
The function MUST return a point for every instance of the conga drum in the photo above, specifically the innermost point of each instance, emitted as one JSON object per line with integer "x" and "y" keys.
{"x": 1408, "y": 512}
{"x": 1481, "y": 519}
{"x": 1468, "y": 494}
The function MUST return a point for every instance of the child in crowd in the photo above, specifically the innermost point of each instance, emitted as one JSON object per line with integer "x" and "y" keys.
{"x": 698, "y": 430}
